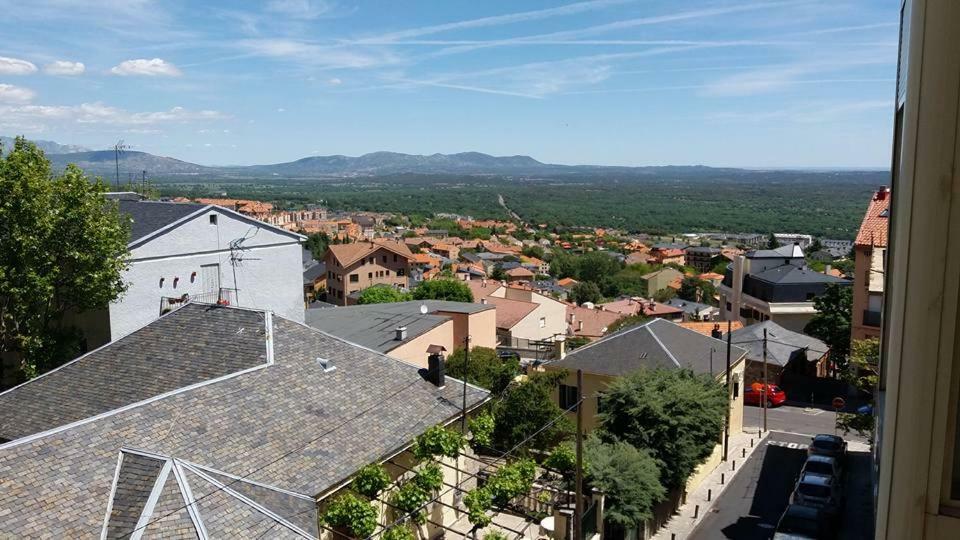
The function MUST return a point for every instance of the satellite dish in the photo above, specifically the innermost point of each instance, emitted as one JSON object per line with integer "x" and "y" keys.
{"x": 423, "y": 309}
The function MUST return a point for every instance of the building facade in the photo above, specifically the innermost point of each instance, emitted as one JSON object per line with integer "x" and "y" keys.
{"x": 870, "y": 260}
{"x": 354, "y": 267}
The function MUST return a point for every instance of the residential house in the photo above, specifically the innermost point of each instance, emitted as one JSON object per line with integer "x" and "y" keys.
{"x": 787, "y": 353}
{"x": 838, "y": 248}
{"x": 446, "y": 250}
{"x": 654, "y": 282}
{"x": 204, "y": 252}
{"x": 567, "y": 282}
{"x": 410, "y": 331}
{"x": 591, "y": 323}
{"x": 212, "y": 422}
{"x": 702, "y": 258}
{"x": 710, "y": 328}
{"x": 635, "y": 305}
{"x": 870, "y": 263}
{"x": 786, "y": 239}
{"x": 713, "y": 277}
{"x": 525, "y": 318}
{"x": 667, "y": 255}
{"x": 314, "y": 277}
{"x": 551, "y": 288}
{"x": 519, "y": 274}
{"x": 354, "y": 267}
{"x": 773, "y": 284}
{"x": 260, "y": 211}
{"x": 658, "y": 344}
{"x": 694, "y": 311}
{"x": 367, "y": 226}
{"x": 639, "y": 257}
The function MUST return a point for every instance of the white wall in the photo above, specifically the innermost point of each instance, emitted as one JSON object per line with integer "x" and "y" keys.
{"x": 269, "y": 276}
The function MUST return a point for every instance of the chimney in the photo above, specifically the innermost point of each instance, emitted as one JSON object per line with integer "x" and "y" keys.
{"x": 483, "y": 300}
{"x": 401, "y": 333}
{"x": 882, "y": 193}
{"x": 827, "y": 268}
{"x": 716, "y": 333}
{"x": 436, "y": 368}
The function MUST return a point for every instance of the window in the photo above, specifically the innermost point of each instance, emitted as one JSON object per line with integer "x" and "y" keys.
{"x": 213, "y": 219}
{"x": 394, "y": 258}
{"x": 387, "y": 272}
{"x": 354, "y": 278}
{"x": 400, "y": 272}
{"x": 384, "y": 258}
{"x": 369, "y": 275}
{"x": 568, "y": 397}
{"x": 543, "y": 322}
{"x": 736, "y": 390}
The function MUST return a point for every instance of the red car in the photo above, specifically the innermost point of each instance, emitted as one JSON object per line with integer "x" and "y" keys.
{"x": 753, "y": 395}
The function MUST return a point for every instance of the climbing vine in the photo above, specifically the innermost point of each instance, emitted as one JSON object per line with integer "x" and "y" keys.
{"x": 350, "y": 512}
{"x": 478, "y": 503}
{"x": 409, "y": 498}
{"x": 370, "y": 480}
{"x": 481, "y": 426}
{"x": 399, "y": 532}
{"x": 437, "y": 441}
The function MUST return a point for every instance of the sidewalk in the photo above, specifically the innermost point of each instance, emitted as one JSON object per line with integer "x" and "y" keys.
{"x": 683, "y": 522}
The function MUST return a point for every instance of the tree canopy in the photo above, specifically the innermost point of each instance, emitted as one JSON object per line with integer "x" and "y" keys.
{"x": 585, "y": 291}
{"x": 382, "y": 294}
{"x": 443, "y": 289}
{"x": 484, "y": 369}
{"x": 674, "y": 414}
{"x": 628, "y": 476}
{"x": 63, "y": 248}
{"x": 694, "y": 289}
{"x": 831, "y": 324}
{"x": 526, "y": 408}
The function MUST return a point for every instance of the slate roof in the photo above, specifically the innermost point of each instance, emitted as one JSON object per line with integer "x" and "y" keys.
{"x": 288, "y": 426}
{"x": 150, "y": 216}
{"x": 790, "y": 251}
{"x": 789, "y": 273}
{"x": 375, "y": 325}
{"x": 782, "y": 344}
{"x": 656, "y": 344}
{"x": 693, "y": 308}
{"x": 311, "y": 273}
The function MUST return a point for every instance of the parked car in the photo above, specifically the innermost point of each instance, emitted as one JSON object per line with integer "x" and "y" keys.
{"x": 753, "y": 395}
{"x": 828, "y": 445}
{"x": 824, "y": 465}
{"x": 818, "y": 491}
{"x": 804, "y": 522}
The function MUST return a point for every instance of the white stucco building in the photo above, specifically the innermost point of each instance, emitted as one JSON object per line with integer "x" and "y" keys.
{"x": 205, "y": 253}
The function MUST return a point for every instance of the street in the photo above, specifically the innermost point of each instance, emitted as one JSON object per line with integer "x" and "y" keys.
{"x": 752, "y": 504}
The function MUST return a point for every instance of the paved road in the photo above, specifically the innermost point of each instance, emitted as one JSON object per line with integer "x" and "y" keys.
{"x": 756, "y": 498}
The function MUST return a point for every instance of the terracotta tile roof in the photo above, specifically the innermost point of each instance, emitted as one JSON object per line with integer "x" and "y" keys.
{"x": 520, "y": 272}
{"x": 590, "y": 322}
{"x": 482, "y": 288}
{"x": 567, "y": 282}
{"x": 711, "y": 276}
{"x": 705, "y": 327}
{"x": 876, "y": 221}
{"x": 348, "y": 254}
{"x": 510, "y": 312}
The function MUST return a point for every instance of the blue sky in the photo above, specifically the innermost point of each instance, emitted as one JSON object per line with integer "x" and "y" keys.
{"x": 799, "y": 83}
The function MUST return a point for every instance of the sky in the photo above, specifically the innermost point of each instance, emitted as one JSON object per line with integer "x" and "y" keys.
{"x": 746, "y": 83}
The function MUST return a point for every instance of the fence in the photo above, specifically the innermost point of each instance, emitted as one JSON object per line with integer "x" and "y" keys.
{"x": 222, "y": 296}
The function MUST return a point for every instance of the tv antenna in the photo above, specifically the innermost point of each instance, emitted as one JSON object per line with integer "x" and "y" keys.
{"x": 237, "y": 256}
{"x": 118, "y": 149}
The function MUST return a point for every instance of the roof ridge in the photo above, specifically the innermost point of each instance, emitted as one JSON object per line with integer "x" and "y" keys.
{"x": 662, "y": 346}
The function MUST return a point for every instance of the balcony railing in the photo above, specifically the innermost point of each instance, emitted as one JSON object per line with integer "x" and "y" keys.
{"x": 222, "y": 296}
{"x": 871, "y": 318}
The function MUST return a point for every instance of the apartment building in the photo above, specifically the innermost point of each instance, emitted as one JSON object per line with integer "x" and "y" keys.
{"x": 917, "y": 447}
{"x": 773, "y": 284}
{"x": 702, "y": 258}
{"x": 354, "y": 267}
{"x": 870, "y": 258}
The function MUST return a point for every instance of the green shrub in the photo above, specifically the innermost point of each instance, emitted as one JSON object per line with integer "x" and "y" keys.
{"x": 495, "y": 535}
{"x": 409, "y": 498}
{"x": 511, "y": 480}
{"x": 398, "y": 532}
{"x": 562, "y": 459}
{"x": 429, "y": 477}
{"x": 478, "y": 503}
{"x": 370, "y": 480}
{"x": 481, "y": 427}
{"x": 352, "y": 513}
{"x": 437, "y": 441}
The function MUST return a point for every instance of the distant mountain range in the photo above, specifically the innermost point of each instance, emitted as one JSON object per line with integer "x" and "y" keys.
{"x": 101, "y": 162}
{"x": 48, "y": 147}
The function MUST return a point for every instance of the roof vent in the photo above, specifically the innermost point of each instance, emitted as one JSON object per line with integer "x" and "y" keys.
{"x": 643, "y": 355}
{"x": 326, "y": 364}
{"x": 401, "y": 333}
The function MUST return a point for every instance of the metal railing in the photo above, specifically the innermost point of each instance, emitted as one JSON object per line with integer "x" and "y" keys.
{"x": 222, "y": 296}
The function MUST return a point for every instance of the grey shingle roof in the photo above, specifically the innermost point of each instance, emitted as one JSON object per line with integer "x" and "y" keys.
{"x": 375, "y": 325}
{"x": 199, "y": 344}
{"x": 789, "y": 273}
{"x": 290, "y": 425}
{"x": 782, "y": 344}
{"x": 150, "y": 216}
{"x": 135, "y": 481}
{"x": 656, "y": 344}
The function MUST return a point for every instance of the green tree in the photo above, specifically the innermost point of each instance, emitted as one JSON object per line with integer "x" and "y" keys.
{"x": 528, "y": 407}
{"x": 563, "y": 265}
{"x": 453, "y": 290}
{"x": 597, "y": 267}
{"x": 831, "y": 324}
{"x": 664, "y": 294}
{"x": 317, "y": 243}
{"x": 484, "y": 369}
{"x": 815, "y": 246}
{"x": 498, "y": 274}
{"x": 772, "y": 242}
{"x": 585, "y": 291}
{"x": 533, "y": 251}
{"x": 382, "y": 294}
{"x": 63, "y": 249}
{"x": 629, "y": 477}
{"x": 575, "y": 342}
{"x": 861, "y": 373}
{"x": 675, "y": 415}
{"x": 694, "y": 289}
{"x": 627, "y": 322}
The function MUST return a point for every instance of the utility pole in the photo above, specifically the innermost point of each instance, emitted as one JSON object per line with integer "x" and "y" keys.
{"x": 578, "y": 495}
{"x": 466, "y": 364}
{"x": 117, "y": 150}
{"x": 726, "y": 429}
{"x": 766, "y": 388}
{"x": 711, "y": 362}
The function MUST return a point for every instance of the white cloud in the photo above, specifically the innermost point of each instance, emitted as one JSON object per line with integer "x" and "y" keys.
{"x": 15, "y": 66}
{"x": 142, "y": 66}
{"x": 805, "y": 113}
{"x": 317, "y": 55}
{"x": 15, "y": 94}
{"x": 64, "y": 67}
{"x": 301, "y": 9}
{"x": 334, "y": 82}
{"x": 774, "y": 78}
{"x": 99, "y": 113}
{"x": 281, "y": 109}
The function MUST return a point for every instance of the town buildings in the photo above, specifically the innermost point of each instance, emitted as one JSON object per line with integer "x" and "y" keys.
{"x": 870, "y": 262}
{"x": 658, "y": 280}
{"x": 525, "y": 319}
{"x": 787, "y": 353}
{"x": 357, "y": 266}
{"x": 702, "y": 259}
{"x": 773, "y": 284}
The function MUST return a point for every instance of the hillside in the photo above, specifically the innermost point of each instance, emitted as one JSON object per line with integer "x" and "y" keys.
{"x": 49, "y": 147}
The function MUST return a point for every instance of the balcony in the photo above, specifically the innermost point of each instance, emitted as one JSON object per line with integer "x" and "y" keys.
{"x": 222, "y": 296}
{"x": 871, "y": 318}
